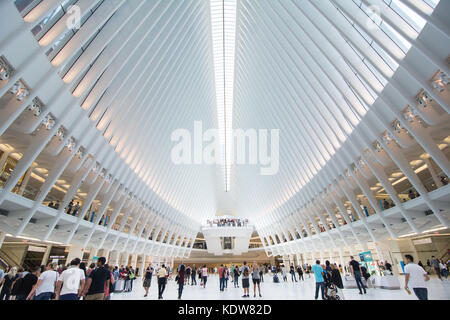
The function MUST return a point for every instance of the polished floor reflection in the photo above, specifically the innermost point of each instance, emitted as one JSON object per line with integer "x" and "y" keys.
{"x": 303, "y": 290}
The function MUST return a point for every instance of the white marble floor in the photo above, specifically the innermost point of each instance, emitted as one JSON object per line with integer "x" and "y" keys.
{"x": 303, "y": 290}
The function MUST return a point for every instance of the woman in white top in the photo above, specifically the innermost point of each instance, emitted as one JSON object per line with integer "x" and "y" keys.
{"x": 283, "y": 271}
{"x": 204, "y": 275}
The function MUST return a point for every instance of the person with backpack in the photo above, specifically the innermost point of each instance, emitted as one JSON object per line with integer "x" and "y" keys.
{"x": 236, "y": 276}
{"x": 245, "y": 271}
{"x": 356, "y": 270}
{"x": 131, "y": 277}
{"x": 221, "y": 278}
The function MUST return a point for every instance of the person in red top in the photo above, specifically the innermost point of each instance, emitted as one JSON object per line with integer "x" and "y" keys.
{"x": 222, "y": 278}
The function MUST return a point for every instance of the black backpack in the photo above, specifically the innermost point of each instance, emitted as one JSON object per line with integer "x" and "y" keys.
{"x": 245, "y": 271}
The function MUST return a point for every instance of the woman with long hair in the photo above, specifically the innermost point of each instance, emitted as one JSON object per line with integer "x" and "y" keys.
{"x": 180, "y": 279}
{"x": 256, "y": 279}
{"x": 10, "y": 277}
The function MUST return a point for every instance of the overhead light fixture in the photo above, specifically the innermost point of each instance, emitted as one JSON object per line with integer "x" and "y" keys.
{"x": 223, "y": 28}
{"x": 434, "y": 229}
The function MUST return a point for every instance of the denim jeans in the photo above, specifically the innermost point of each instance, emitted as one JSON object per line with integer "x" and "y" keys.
{"x": 236, "y": 281}
{"x": 359, "y": 282}
{"x": 21, "y": 297}
{"x": 161, "y": 286}
{"x": 421, "y": 293}
{"x": 222, "y": 283}
{"x": 320, "y": 285}
{"x": 69, "y": 296}
{"x": 293, "y": 278}
{"x": 43, "y": 296}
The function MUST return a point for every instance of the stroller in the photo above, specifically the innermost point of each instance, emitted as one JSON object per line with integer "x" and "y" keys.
{"x": 275, "y": 278}
{"x": 332, "y": 292}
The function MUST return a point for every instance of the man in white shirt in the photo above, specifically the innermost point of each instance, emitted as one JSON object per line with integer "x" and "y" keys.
{"x": 71, "y": 282}
{"x": 45, "y": 287}
{"x": 415, "y": 277}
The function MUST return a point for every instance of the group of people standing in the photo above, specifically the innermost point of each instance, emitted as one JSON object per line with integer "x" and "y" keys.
{"x": 73, "y": 282}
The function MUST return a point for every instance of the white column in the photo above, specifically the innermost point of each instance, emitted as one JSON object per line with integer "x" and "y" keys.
{"x": 435, "y": 177}
{"x": 74, "y": 252}
{"x": 133, "y": 261}
{"x": 2, "y": 237}
{"x": 46, "y": 255}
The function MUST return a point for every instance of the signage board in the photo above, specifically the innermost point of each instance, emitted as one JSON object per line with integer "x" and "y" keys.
{"x": 365, "y": 256}
{"x": 422, "y": 241}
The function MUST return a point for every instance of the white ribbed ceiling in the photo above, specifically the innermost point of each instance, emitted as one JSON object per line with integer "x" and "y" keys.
{"x": 312, "y": 69}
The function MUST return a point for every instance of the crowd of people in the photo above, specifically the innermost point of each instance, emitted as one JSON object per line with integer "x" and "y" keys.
{"x": 99, "y": 280}
{"x": 227, "y": 222}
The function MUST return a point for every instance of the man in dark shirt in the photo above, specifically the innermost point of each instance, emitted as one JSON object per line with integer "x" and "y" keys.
{"x": 356, "y": 270}
{"x": 98, "y": 280}
{"x": 27, "y": 283}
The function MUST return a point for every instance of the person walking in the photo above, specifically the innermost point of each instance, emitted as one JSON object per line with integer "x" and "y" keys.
{"x": 236, "y": 277}
{"x": 245, "y": 271}
{"x": 256, "y": 279}
{"x": 180, "y": 279}
{"x": 204, "y": 275}
{"x": 194, "y": 275}
{"x": 355, "y": 268}
{"x": 221, "y": 278}
{"x": 318, "y": 274}
{"x": 336, "y": 279}
{"x": 300, "y": 273}
{"x": 292, "y": 272}
{"x": 98, "y": 279}
{"x": 444, "y": 269}
{"x": 26, "y": 284}
{"x": 415, "y": 277}
{"x": 261, "y": 273}
{"x": 226, "y": 276}
{"x": 435, "y": 265}
{"x": 283, "y": 272}
{"x": 71, "y": 282}
{"x": 147, "y": 279}
{"x": 188, "y": 275}
{"x": 162, "y": 280}
{"x": 8, "y": 280}
{"x": 45, "y": 286}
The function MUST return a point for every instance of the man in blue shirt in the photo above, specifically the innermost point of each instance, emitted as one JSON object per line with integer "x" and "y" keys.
{"x": 318, "y": 274}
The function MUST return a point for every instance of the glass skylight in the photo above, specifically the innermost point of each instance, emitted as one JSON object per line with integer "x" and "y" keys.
{"x": 223, "y": 25}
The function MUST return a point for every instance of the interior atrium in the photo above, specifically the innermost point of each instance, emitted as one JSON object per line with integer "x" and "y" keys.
{"x": 213, "y": 132}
